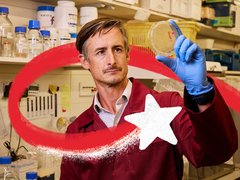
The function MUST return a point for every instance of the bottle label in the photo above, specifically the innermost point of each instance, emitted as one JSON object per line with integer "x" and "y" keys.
{"x": 72, "y": 22}
{"x": 35, "y": 47}
{"x": 64, "y": 40}
{"x": 21, "y": 49}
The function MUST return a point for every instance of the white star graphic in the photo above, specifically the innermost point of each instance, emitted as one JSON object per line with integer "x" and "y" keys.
{"x": 154, "y": 122}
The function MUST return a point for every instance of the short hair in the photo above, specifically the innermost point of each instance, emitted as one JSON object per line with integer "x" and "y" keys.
{"x": 97, "y": 26}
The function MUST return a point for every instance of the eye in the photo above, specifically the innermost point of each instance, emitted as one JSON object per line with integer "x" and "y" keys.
{"x": 100, "y": 52}
{"x": 118, "y": 50}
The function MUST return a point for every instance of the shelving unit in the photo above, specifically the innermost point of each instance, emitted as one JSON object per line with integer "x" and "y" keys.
{"x": 127, "y": 12}
{"x": 13, "y": 60}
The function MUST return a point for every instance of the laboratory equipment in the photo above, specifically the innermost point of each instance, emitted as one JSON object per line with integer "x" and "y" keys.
{"x": 45, "y": 14}
{"x": 153, "y": 37}
{"x": 162, "y": 38}
{"x": 20, "y": 42}
{"x": 34, "y": 40}
{"x": 6, "y": 33}
{"x": 8, "y": 172}
{"x": 45, "y": 39}
{"x": 65, "y": 15}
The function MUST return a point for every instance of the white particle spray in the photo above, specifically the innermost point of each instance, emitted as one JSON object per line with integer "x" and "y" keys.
{"x": 119, "y": 146}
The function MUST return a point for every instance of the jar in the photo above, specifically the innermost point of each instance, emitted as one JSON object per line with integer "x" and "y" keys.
{"x": 34, "y": 39}
{"x": 20, "y": 42}
{"x": 63, "y": 36}
{"x": 87, "y": 14}
{"x": 45, "y": 39}
{"x": 6, "y": 33}
{"x": 65, "y": 15}
{"x": 45, "y": 14}
{"x": 8, "y": 171}
{"x": 73, "y": 37}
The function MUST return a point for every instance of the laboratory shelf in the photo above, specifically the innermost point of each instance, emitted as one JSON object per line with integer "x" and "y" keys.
{"x": 23, "y": 61}
{"x": 13, "y": 60}
{"x": 219, "y": 33}
{"x": 126, "y": 12}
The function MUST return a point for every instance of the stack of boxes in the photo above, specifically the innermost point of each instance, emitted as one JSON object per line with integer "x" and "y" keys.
{"x": 226, "y": 14}
{"x": 229, "y": 59}
{"x": 217, "y": 13}
{"x": 182, "y": 8}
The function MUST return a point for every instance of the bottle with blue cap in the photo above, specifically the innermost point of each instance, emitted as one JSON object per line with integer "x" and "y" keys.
{"x": 73, "y": 37}
{"x": 6, "y": 33}
{"x": 20, "y": 42}
{"x": 31, "y": 175}
{"x": 45, "y": 39}
{"x": 8, "y": 172}
{"x": 45, "y": 14}
{"x": 34, "y": 39}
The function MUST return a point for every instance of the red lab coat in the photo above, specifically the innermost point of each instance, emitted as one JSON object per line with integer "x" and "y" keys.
{"x": 206, "y": 138}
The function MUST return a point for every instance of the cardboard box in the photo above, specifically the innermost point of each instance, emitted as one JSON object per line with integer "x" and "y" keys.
{"x": 225, "y": 14}
{"x": 194, "y": 9}
{"x": 132, "y": 2}
{"x": 162, "y": 6}
{"x": 205, "y": 43}
{"x": 217, "y": 1}
{"x": 236, "y": 29}
{"x": 186, "y": 9}
{"x": 179, "y": 8}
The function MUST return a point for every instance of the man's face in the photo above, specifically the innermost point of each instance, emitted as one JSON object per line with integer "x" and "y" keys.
{"x": 107, "y": 58}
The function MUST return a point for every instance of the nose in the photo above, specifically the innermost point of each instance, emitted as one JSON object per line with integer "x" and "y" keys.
{"x": 110, "y": 58}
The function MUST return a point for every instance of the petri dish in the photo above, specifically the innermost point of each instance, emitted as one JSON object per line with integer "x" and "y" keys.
{"x": 162, "y": 37}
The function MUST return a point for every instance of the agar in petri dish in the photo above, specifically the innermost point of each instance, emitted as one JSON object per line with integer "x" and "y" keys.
{"x": 162, "y": 37}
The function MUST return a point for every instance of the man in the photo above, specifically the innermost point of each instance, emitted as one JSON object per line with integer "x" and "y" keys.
{"x": 204, "y": 128}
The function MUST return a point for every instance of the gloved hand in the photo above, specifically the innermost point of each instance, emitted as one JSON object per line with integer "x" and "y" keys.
{"x": 189, "y": 64}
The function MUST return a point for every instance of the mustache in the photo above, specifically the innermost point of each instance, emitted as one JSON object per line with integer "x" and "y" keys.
{"x": 112, "y": 68}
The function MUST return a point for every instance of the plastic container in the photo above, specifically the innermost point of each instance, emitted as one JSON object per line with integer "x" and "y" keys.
{"x": 8, "y": 172}
{"x": 31, "y": 176}
{"x": 138, "y": 33}
{"x": 63, "y": 36}
{"x": 88, "y": 14}
{"x": 20, "y": 42}
{"x": 6, "y": 33}
{"x": 205, "y": 43}
{"x": 45, "y": 14}
{"x": 152, "y": 37}
{"x": 189, "y": 29}
{"x": 34, "y": 39}
{"x": 45, "y": 39}
{"x": 65, "y": 15}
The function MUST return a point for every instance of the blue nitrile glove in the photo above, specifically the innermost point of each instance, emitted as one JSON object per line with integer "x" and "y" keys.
{"x": 189, "y": 64}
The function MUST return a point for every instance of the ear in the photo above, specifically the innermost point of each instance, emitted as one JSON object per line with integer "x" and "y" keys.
{"x": 84, "y": 62}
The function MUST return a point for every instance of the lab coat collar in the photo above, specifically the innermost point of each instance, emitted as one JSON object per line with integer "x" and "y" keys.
{"x": 135, "y": 104}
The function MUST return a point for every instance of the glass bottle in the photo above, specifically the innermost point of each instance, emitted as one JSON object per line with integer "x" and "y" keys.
{"x": 45, "y": 39}
{"x": 53, "y": 37}
{"x": 64, "y": 36}
{"x": 8, "y": 172}
{"x": 34, "y": 39}
{"x": 20, "y": 42}
{"x": 6, "y": 33}
{"x": 73, "y": 37}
